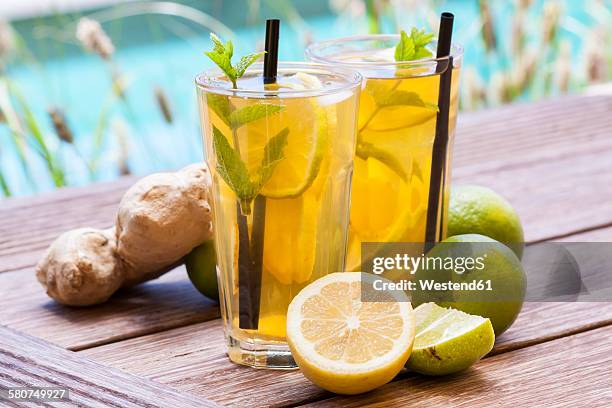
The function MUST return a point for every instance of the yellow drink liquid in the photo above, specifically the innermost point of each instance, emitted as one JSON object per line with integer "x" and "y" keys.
{"x": 396, "y": 129}
{"x": 306, "y": 197}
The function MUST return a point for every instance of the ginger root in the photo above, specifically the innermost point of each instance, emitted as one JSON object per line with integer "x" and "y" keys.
{"x": 80, "y": 267}
{"x": 160, "y": 220}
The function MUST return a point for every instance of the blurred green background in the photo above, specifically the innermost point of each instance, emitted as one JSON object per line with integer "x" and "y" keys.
{"x": 75, "y": 111}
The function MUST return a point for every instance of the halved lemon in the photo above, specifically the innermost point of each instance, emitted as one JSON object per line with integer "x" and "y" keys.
{"x": 345, "y": 345}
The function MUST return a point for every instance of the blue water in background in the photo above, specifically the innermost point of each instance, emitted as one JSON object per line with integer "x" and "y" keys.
{"x": 80, "y": 83}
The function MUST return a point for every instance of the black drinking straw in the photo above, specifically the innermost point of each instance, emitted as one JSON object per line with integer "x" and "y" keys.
{"x": 271, "y": 58}
{"x": 433, "y": 231}
{"x": 250, "y": 266}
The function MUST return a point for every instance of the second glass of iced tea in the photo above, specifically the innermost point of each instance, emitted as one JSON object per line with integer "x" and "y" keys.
{"x": 281, "y": 158}
{"x": 396, "y": 128}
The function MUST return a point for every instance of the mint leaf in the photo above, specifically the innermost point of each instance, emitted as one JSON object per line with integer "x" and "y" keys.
{"x": 413, "y": 47}
{"x": 273, "y": 153}
{"x": 252, "y": 113}
{"x": 385, "y": 98}
{"x": 246, "y": 62}
{"x": 232, "y": 169}
{"x": 222, "y": 56}
{"x": 234, "y": 172}
{"x": 221, "y": 105}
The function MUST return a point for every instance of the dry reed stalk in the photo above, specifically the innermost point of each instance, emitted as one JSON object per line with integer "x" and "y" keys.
{"x": 61, "y": 125}
{"x": 163, "y": 104}
{"x": 488, "y": 28}
{"x": 8, "y": 42}
{"x": 595, "y": 56}
{"x": 501, "y": 88}
{"x": 524, "y": 4}
{"x": 563, "y": 67}
{"x": 93, "y": 38}
{"x": 123, "y": 148}
{"x": 523, "y": 73}
{"x": 518, "y": 32}
{"x": 550, "y": 24}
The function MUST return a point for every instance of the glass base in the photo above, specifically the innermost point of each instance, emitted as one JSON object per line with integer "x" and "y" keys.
{"x": 276, "y": 357}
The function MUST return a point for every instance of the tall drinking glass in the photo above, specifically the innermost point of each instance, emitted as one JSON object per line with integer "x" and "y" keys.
{"x": 281, "y": 158}
{"x": 396, "y": 132}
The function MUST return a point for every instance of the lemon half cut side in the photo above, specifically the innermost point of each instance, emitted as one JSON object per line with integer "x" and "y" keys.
{"x": 345, "y": 345}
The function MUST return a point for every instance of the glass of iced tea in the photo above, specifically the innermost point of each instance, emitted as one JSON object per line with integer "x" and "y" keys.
{"x": 281, "y": 158}
{"x": 398, "y": 112}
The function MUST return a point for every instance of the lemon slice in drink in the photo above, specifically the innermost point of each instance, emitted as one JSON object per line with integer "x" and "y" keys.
{"x": 448, "y": 340}
{"x": 290, "y": 238}
{"x": 344, "y": 345}
{"x": 384, "y": 208}
{"x": 307, "y": 142}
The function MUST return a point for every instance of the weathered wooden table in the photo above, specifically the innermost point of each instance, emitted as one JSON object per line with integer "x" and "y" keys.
{"x": 161, "y": 344}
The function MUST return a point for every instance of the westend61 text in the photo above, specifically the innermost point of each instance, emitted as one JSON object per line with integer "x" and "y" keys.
{"x": 431, "y": 285}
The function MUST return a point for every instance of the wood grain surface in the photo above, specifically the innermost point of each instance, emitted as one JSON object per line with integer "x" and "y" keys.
{"x": 29, "y": 362}
{"x": 168, "y": 302}
{"x": 569, "y": 372}
{"x": 192, "y": 358}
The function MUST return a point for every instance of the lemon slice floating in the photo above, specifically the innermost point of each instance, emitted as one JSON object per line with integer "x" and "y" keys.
{"x": 307, "y": 143}
{"x": 345, "y": 345}
{"x": 448, "y": 340}
{"x": 384, "y": 208}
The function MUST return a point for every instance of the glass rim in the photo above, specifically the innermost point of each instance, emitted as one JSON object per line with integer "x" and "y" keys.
{"x": 313, "y": 52}
{"x": 353, "y": 80}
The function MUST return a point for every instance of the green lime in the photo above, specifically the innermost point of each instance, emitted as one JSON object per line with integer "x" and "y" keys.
{"x": 479, "y": 210}
{"x": 482, "y": 276}
{"x": 448, "y": 340}
{"x": 201, "y": 266}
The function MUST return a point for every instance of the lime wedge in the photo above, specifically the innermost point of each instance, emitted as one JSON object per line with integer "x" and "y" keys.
{"x": 448, "y": 340}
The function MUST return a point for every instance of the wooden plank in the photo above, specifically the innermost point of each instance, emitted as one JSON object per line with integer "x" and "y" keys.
{"x": 24, "y": 306}
{"x": 551, "y": 159}
{"x": 193, "y": 359}
{"x": 544, "y": 157}
{"x": 596, "y": 235}
{"x": 29, "y": 362}
{"x": 27, "y": 228}
{"x": 569, "y": 371}
{"x": 168, "y": 302}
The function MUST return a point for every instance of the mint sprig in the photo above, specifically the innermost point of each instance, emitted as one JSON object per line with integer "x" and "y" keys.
{"x": 230, "y": 166}
{"x": 222, "y": 56}
{"x": 414, "y": 46}
{"x": 235, "y": 173}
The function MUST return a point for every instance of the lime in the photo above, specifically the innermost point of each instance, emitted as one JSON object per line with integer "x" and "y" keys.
{"x": 497, "y": 283}
{"x": 479, "y": 210}
{"x": 344, "y": 345}
{"x": 202, "y": 270}
{"x": 448, "y": 340}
